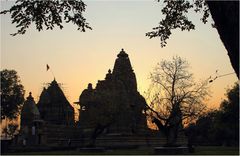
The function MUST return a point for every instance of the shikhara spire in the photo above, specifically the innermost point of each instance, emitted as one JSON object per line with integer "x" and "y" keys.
{"x": 116, "y": 97}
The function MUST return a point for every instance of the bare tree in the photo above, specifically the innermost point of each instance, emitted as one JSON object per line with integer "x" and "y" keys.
{"x": 174, "y": 97}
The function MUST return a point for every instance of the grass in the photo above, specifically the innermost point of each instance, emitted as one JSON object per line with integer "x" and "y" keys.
{"x": 200, "y": 150}
{"x": 216, "y": 150}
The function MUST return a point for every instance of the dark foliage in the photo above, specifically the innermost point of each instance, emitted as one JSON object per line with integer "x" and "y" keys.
{"x": 176, "y": 17}
{"x": 218, "y": 127}
{"x": 12, "y": 94}
{"x": 11, "y": 130}
{"x": 224, "y": 13}
{"x": 47, "y": 13}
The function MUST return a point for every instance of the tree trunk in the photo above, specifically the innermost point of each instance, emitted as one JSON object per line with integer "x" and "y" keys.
{"x": 175, "y": 123}
{"x": 170, "y": 132}
{"x": 226, "y": 18}
{"x": 97, "y": 131}
{"x": 172, "y": 136}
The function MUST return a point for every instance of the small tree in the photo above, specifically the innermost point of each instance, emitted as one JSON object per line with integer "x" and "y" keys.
{"x": 11, "y": 130}
{"x": 174, "y": 97}
{"x": 12, "y": 94}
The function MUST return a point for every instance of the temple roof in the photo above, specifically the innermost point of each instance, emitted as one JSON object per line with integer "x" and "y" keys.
{"x": 29, "y": 111}
{"x": 115, "y": 98}
{"x": 123, "y": 71}
{"x": 122, "y": 63}
{"x": 54, "y": 106}
{"x": 122, "y": 54}
{"x": 52, "y": 93}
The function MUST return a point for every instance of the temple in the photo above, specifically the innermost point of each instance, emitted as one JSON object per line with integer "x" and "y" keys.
{"x": 49, "y": 121}
{"x": 117, "y": 97}
{"x": 30, "y": 121}
{"x": 54, "y": 107}
{"x": 111, "y": 115}
{"x": 30, "y": 112}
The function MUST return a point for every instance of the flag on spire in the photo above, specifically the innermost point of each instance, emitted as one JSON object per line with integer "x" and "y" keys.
{"x": 48, "y": 67}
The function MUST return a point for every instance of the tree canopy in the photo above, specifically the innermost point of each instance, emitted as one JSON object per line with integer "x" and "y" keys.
{"x": 12, "y": 94}
{"x": 210, "y": 127}
{"x": 225, "y": 15}
{"x": 52, "y": 13}
{"x": 176, "y": 18}
{"x": 11, "y": 130}
{"x": 47, "y": 14}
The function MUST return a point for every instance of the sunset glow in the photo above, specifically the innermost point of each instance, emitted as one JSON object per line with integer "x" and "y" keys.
{"x": 78, "y": 58}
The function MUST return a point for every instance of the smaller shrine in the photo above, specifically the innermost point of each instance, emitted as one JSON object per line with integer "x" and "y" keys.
{"x": 50, "y": 122}
{"x": 30, "y": 123}
{"x": 54, "y": 106}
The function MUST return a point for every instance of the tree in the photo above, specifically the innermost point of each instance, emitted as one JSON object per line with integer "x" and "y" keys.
{"x": 228, "y": 122}
{"x": 11, "y": 130}
{"x": 48, "y": 14}
{"x": 12, "y": 94}
{"x": 51, "y": 13}
{"x": 174, "y": 97}
{"x": 230, "y": 105}
{"x": 210, "y": 127}
{"x": 224, "y": 13}
{"x": 202, "y": 131}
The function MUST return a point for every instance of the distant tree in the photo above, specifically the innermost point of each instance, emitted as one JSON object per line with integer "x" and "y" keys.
{"x": 11, "y": 130}
{"x": 47, "y": 13}
{"x": 12, "y": 94}
{"x": 228, "y": 122}
{"x": 230, "y": 104}
{"x": 174, "y": 97}
{"x": 224, "y": 13}
{"x": 218, "y": 127}
{"x": 201, "y": 132}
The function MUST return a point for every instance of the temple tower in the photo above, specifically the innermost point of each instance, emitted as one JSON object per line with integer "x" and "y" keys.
{"x": 116, "y": 98}
{"x": 123, "y": 71}
{"x": 29, "y": 112}
{"x": 54, "y": 106}
{"x": 30, "y": 123}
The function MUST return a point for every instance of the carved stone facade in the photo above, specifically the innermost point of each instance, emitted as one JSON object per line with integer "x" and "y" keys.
{"x": 29, "y": 112}
{"x": 30, "y": 123}
{"x": 114, "y": 105}
{"x": 53, "y": 106}
{"x": 50, "y": 121}
{"x": 115, "y": 100}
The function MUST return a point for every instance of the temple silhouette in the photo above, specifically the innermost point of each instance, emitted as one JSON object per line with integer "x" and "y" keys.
{"x": 111, "y": 115}
{"x": 119, "y": 92}
{"x": 54, "y": 106}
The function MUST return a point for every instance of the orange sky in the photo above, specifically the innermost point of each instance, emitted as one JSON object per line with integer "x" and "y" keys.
{"x": 77, "y": 59}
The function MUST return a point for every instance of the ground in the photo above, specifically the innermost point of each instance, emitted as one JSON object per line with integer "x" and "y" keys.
{"x": 200, "y": 150}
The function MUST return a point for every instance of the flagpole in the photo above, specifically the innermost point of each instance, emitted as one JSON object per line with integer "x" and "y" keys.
{"x": 52, "y": 74}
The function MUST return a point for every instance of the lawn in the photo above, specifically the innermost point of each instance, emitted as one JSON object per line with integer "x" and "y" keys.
{"x": 200, "y": 150}
{"x": 216, "y": 150}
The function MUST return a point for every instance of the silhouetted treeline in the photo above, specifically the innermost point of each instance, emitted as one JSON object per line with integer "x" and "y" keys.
{"x": 218, "y": 127}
